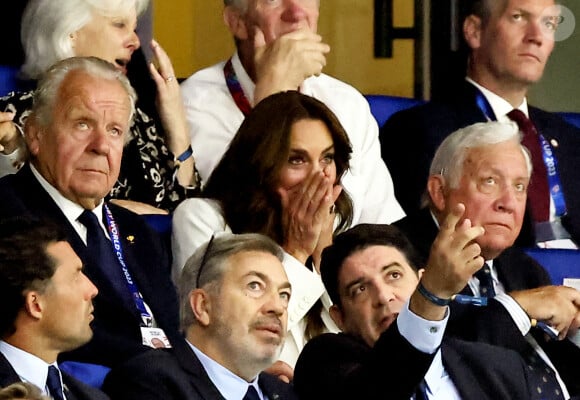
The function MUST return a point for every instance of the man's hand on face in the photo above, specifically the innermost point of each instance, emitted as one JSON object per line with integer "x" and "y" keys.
{"x": 287, "y": 61}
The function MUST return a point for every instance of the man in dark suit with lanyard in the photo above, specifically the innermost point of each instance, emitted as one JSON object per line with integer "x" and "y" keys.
{"x": 75, "y": 135}
{"x": 485, "y": 167}
{"x": 510, "y": 42}
{"x": 45, "y": 307}
{"x": 234, "y": 296}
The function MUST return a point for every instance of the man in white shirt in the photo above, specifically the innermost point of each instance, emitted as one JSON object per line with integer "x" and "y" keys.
{"x": 393, "y": 316}
{"x": 234, "y": 298}
{"x": 278, "y": 49}
{"x": 46, "y": 307}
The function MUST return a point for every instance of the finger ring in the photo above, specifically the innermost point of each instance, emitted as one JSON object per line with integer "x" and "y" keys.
{"x": 169, "y": 79}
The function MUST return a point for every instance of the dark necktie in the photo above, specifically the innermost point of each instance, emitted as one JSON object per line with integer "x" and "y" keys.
{"x": 103, "y": 258}
{"x": 542, "y": 377}
{"x": 486, "y": 288}
{"x": 421, "y": 391}
{"x": 53, "y": 383}
{"x": 538, "y": 192}
{"x": 251, "y": 394}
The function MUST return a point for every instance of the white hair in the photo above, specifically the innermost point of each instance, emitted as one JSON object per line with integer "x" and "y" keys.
{"x": 450, "y": 156}
{"x": 47, "y": 25}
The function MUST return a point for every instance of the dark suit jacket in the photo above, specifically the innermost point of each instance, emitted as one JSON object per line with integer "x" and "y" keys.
{"x": 74, "y": 390}
{"x": 493, "y": 324}
{"x": 340, "y": 366}
{"x": 176, "y": 374}
{"x": 410, "y": 138}
{"x": 117, "y": 335}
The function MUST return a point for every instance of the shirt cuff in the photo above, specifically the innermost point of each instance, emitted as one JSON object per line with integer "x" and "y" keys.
{"x": 424, "y": 335}
{"x": 519, "y": 316}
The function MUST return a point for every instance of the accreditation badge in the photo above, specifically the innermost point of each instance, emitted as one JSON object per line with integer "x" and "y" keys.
{"x": 155, "y": 338}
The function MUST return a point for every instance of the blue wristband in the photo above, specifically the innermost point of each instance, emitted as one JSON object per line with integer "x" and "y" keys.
{"x": 185, "y": 155}
{"x": 431, "y": 297}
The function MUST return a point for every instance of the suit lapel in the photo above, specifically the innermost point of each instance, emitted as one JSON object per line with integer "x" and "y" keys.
{"x": 463, "y": 378}
{"x": 272, "y": 387}
{"x": 7, "y": 374}
{"x": 39, "y": 202}
{"x": 198, "y": 378}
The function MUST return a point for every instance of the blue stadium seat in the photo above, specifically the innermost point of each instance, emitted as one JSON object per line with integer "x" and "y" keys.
{"x": 91, "y": 374}
{"x": 560, "y": 263}
{"x": 8, "y": 79}
{"x": 572, "y": 118}
{"x": 382, "y": 107}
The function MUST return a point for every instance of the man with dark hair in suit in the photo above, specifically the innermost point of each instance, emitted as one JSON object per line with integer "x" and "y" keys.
{"x": 485, "y": 167}
{"x": 234, "y": 296}
{"x": 391, "y": 346}
{"x": 509, "y": 43}
{"x": 75, "y": 135}
{"x": 45, "y": 307}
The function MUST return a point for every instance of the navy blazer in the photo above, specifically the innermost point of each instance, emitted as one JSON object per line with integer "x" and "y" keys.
{"x": 116, "y": 326}
{"x": 341, "y": 366}
{"x": 410, "y": 138}
{"x": 176, "y": 374}
{"x": 493, "y": 324}
{"x": 73, "y": 389}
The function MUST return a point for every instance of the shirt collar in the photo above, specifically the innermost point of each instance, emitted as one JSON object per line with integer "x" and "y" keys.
{"x": 70, "y": 209}
{"x": 229, "y": 384}
{"x": 499, "y": 105}
{"x": 435, "y": 373}
{"x": 28, "y": 367}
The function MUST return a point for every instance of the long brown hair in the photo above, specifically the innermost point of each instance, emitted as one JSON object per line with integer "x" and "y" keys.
{"x": 245, "y": 180}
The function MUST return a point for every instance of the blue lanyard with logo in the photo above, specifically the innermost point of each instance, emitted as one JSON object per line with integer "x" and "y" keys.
{"x": 547, "y": 154}
{"x": 116, "y": 243}
{"x": 553, "y": 177}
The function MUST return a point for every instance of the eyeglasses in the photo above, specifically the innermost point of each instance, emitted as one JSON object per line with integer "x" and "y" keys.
{"x": 203, "y": 260}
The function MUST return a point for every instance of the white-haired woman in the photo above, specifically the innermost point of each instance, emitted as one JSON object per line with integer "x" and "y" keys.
{"x": 158, "y": 169}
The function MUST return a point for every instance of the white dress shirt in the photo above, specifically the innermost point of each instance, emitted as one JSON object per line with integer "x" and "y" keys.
{"x": 214, "y": 118}
{"x": 194, "y": 222}
{"x": 28, "y": 367}
{"x": 229, "y": 384}
{"x": 426, "y": 336}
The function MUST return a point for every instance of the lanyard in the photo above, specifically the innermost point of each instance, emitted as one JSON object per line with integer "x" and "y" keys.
{"x": 484, "y": 106}
{"x": 547, "y": 154}
{"x": 553, "y": 177}
{"x": 139, "y": 303}
{"x": 235, "y": 88}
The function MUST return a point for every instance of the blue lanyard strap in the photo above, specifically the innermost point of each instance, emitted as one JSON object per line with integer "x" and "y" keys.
{"x": 146, "y": 318}
{"x": 553, "y": 177}
{"x": 484, "y": 106}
